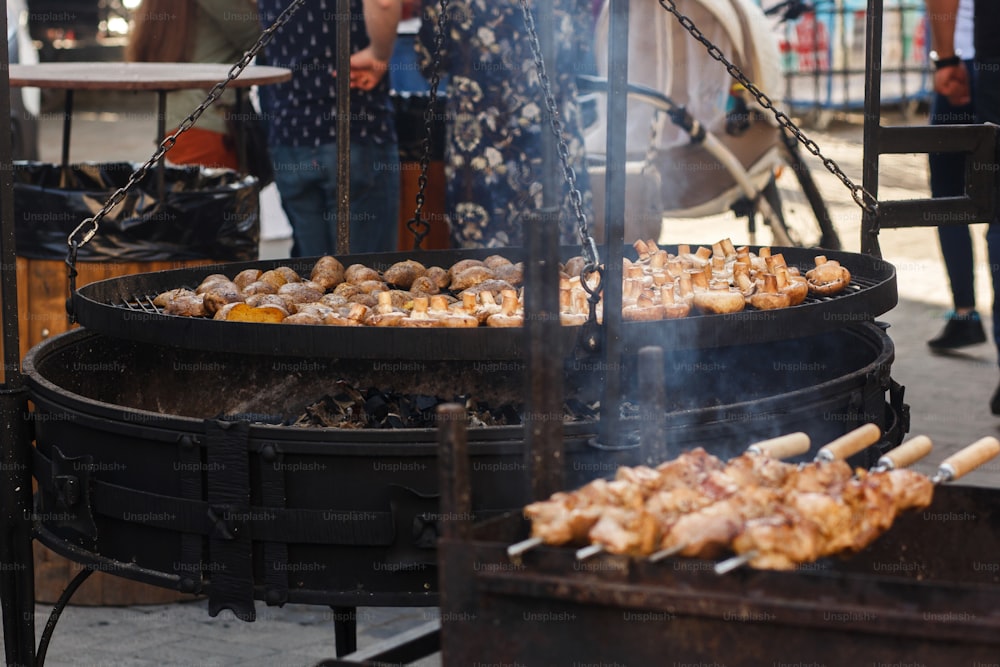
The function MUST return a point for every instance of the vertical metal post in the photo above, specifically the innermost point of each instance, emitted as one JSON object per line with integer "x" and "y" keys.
{"x": 17, "y": 575}
{"x": 17, "y": 571}
{"x": 872, "y": 124}
{"x": 653, "y": 410}
{"x": 343, "y": 127}
{"x": 543, "y": 416}
{"x": 550, "y": 156}
{"x": 454, "y": 470}
{"x": 66, "y": 132}
{"x": 614, "y": 213}
{"x": 161, "y": 132}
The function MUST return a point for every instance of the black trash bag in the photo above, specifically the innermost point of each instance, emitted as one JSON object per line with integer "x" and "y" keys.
{"x": 204, "y": 213}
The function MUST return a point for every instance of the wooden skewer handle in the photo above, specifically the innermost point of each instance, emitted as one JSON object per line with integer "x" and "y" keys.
{"x": 907, "y": 453}
{"x": 850, "y": 443}
{"x": 782, "y": 447}
{"x": 966, "y": 460}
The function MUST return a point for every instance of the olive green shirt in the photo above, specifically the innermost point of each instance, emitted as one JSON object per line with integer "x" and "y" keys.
{"x": 224, "y": 31}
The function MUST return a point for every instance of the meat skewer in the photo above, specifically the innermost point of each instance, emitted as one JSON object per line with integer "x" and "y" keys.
{"x": 873, "y": 505}
{"x": 712, "y": 527}
{"x": 636, "y": 530}
{"x": 568, "y": 517}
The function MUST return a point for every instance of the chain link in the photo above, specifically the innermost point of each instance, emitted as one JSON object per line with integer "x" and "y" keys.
{"x": 862, "y": 197}
{"x": 419, "y": 227}
{"x": 569, "y": 174}
{"x": 87, "y": 229}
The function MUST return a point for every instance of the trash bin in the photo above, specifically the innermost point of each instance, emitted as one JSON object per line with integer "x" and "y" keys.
{"x": 196, "y": 213}
{"x": 193, "y": 216}
{"x": 197, "y": 216}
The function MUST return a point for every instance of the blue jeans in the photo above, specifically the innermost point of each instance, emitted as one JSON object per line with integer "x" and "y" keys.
{"x": 306, "y": 178}
{"x": 987, "y": 101}
{"x": 947, "y": 179}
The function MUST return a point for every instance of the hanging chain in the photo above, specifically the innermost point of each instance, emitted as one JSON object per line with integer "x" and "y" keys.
{"x": 862, "y": 197}
{"x": 419, "y": 227}
{"x": 569, "y": 174}
{"x": 87, "y": 229}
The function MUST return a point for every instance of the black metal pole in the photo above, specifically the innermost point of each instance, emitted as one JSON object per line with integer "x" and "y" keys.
{"x": 343, "y": 127}
{"x": 67, "y": 129}
{"x": 17, "y": 574}
{"x": 543, "y": 416}
{"x": 550, "y": 155}
{"x": 17, "y": 578}
{"x": 614, "y": 213}
{"x": 653, "y": 411}
{"x": 161, "y": 132}
{"x": 455, "y": 474}
{"x": 872, "y": 124}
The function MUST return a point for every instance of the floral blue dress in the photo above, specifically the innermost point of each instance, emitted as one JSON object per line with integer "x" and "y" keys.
{"x": 496, "y": 114}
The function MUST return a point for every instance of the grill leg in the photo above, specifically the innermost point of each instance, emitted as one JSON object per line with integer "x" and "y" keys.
{"x": 17, "y": 581}
{"x": 345, "y": 630}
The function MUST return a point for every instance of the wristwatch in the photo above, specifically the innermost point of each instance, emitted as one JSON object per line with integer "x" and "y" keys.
{"x": 949, "y": 61}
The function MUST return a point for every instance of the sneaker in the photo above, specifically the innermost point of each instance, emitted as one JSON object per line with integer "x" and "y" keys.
{"x": 960, "y": 331}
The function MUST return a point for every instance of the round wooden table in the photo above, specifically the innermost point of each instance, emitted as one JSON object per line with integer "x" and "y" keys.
{"x": 160, "y": 78}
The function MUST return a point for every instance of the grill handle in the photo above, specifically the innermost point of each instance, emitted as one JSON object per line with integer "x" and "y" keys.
{"x": 906, "y": 454}
{"x": 966, "y": 460}
{"x": 782, "y": 447}
{"x": 851, "y": 443}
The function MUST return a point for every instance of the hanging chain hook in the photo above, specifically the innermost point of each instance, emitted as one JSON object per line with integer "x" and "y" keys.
{"x": 587, "y": 242}
{"x": 419, "y": 227}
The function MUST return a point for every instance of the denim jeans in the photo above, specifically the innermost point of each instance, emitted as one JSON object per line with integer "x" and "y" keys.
{"x": 306, "y": 178}
{"x": 947, "y": 179}
{"x": 987, "y": 101}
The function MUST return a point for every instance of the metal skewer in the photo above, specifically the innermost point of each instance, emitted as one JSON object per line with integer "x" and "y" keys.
{"x": 952, "y": 468}
{"x": 515, "y": 550}
{"x": 586, "y": 552}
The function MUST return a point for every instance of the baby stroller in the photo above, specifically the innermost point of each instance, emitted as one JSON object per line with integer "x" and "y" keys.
{"x": 745, "y": 161}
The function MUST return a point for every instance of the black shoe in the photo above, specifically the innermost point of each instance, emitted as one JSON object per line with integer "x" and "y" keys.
{"x": 961, "y": 330}
{"x": 995, "y": 402}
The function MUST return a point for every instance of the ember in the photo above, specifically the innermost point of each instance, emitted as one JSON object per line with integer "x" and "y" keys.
{"x": 350, "y": 407}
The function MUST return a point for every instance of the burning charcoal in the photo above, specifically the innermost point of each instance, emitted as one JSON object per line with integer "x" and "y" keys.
{"x": 508, "y": 414}
{"x": 377, "y": 407}
{"x": 348, "y": 407}
{"x": 425, "y": 403}
{"x": 347, "y": 396}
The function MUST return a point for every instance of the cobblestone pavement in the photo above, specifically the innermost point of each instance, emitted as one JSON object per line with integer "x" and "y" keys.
{"x": 948, "y": 397}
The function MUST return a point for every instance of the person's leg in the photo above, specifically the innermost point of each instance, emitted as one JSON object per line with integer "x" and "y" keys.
{"x": 987, "y": 100}
{"x": 299, "y": 177}
{"x": 947, "y": 179}
{"x": 374, "y": 197}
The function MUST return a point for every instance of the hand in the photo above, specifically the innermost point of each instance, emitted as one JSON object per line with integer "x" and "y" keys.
{"x": 367, "y": 70}
{"x": 953, "y": 83}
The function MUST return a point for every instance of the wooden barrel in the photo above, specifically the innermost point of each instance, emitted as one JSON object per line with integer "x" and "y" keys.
{"x": 42, "y": 290}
